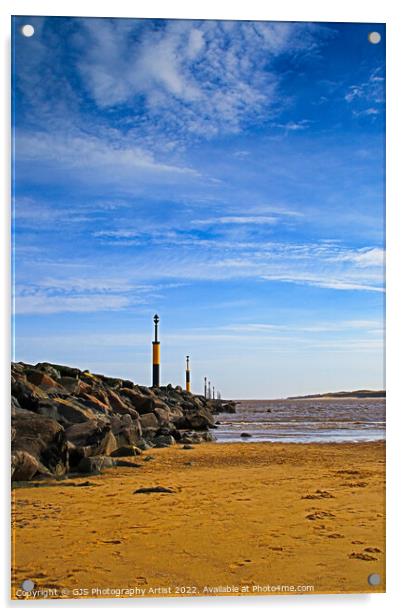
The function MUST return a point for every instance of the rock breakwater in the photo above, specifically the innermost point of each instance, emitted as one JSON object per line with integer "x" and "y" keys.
{"x": 65, "y": 420}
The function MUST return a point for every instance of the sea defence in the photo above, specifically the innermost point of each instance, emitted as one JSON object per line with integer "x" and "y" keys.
{"x": 65, "y": 420}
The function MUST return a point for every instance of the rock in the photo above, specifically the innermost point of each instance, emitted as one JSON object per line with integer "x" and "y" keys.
{"x": 128, "y": 384}
{"x": 168, "y": 415}
{"x": 48, "y": 408}
{"x": 141, "y": 403}
{"x": 93, "y": 465}
{"x": 70, "y": 411}
{"x": 187, "y": 447}
{"x": 125, "y": 451}
{"x": 75, "y": 454}
{"x": 95, "y": 437}
{"x": 27, "y": 394}
{"x": 229, "y": 407}
{"x": 126, "y": 463}
{"x": 42, "y": 380}
{"x": 126, "y": 430}
{"x": 149, "y": 420}
{"x": 70, "y": 384}
{"x": 156, "y": 489}
{"x": 44, "y": 439}
{"x": 72, "y": 415}
{"x": 64, "y": 370}
{"x": 24, "y": 466}
{"x": 164, "y": 440}
{"x": 207, "y": 436}
{"x": 49, "y": 369}
{"x": 149, "y": 458}
{"x": 117, "y": 404}
{"x": 144, "y": 445}
{"x": 197, "y": 420}
{"x": 147, "y": 391}
{"x": 94, "y": 404}
{"x": 245, "y": 435}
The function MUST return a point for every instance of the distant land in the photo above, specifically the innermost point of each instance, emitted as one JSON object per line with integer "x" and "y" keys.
{"x": 359, "y": 393}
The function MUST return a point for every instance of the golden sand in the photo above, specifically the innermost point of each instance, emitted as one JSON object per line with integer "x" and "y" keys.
{"x": 243, "y": 517}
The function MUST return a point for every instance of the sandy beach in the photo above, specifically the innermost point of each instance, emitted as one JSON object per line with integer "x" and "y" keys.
{"x": 242, "y": 518}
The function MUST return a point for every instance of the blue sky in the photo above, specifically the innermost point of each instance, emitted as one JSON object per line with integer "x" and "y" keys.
{"x": 227, "y": 175}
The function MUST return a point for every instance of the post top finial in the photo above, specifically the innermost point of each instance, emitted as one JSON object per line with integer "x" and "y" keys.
{"x": 156, "y": 318}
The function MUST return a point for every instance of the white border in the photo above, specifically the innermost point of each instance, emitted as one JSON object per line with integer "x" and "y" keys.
{"x": 286, "y": 10}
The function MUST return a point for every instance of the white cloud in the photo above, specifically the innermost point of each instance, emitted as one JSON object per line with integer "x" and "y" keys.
{"x": 199, "y": 77}
{"x": 368, "y": 96}
{"x": 84, "y": 152}
{"x": 237, "y": 220}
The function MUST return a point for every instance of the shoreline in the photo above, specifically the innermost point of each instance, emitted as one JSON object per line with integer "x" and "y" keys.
{"x": 234, "y": 514}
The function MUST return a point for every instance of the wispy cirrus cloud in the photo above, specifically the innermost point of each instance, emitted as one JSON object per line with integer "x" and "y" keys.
{"x": 237, "y": 220}
{"x": 368, "y": 98}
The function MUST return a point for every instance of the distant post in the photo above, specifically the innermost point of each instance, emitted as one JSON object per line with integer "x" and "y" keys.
{"x": 188, "y": 386}
{"x": 213, "y": 393}
{"x": 156, "y": 358}
{"x": 205, "y": 387}
{"x": 209, "y": 389}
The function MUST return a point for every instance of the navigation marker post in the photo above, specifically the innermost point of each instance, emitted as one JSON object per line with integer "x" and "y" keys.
{"x": 156, "y": 357}
{"x": 188, "y": 387}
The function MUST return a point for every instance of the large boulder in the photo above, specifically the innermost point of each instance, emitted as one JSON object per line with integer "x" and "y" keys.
{"x": 197, "y": 420}
{"x": 95, "y": 464}
{"x": 42, "y": 380}
{"x": 94, "y": 437}
{"x": 27, "y": 394}
{"x": 126, "y": 451}
{"x": 67, "y": 411}
{"x": 49, "y": 369}
{"x": 126, "y": 429}
{"x": 149, "y": 421}
{"x": 43, "y": 438}
{"x": 92, "y": 402}
{"x": 143, "y": 404}
{"x": 24, "y": 466}
{"x": 117, "y": 404}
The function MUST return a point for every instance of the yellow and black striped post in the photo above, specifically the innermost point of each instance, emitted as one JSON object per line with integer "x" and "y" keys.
{"x": 156, "y": 356}
{"x": 188, "y": 385}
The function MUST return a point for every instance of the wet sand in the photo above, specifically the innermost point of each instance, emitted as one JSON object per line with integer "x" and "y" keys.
{"x": 242, "y": 518}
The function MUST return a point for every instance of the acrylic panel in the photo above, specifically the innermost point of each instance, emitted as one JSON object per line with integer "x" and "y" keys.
{"x": 198, "y": 402}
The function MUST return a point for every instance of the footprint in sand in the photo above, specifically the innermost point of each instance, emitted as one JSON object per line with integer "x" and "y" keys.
{"x": 319, "y": 515}
{"x": 318, "y": 494}
{"x": 372, "y": 550}
{"x": 357, "y": 484}
{"x": 361, "y": 556}
{"x": 335, "y": 536}
{"x": 241, "y": 563}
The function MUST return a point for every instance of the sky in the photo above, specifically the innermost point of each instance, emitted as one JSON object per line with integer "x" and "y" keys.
{"x": 227, "y": 175}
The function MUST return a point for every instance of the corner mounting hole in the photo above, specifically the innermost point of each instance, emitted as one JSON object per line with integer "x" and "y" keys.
{"x": 374, "y": 38}
{"x": 374, "y": 579}
{"x": 28, "y": 30}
